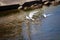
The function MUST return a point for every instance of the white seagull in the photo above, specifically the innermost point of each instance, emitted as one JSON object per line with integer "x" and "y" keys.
{"x": 31, "y": 14}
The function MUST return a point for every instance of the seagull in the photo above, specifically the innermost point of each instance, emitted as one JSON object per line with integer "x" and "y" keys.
{"x": 30, "y": 16}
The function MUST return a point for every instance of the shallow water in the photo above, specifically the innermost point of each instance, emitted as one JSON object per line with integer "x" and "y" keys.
{"x": 41, "y": 28}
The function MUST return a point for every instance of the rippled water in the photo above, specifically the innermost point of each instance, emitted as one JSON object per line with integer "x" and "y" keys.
{"x": 44, "y": 29}
{"x": 45, "y": 25}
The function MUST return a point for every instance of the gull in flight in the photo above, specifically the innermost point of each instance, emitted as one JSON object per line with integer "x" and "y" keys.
{"x": 30, "y": 16}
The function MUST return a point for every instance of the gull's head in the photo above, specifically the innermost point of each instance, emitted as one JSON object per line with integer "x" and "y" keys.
{"x": 20, "y": 7}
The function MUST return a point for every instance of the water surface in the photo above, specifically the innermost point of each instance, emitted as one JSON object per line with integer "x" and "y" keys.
{"x": 47, "y": 29}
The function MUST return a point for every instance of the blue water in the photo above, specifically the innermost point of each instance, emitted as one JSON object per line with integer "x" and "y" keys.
{"x": 49, "y": 28}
